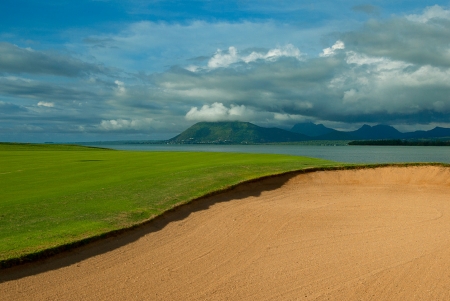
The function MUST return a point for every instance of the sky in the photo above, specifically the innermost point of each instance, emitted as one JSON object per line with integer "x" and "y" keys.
{"x": 104, "y": 70}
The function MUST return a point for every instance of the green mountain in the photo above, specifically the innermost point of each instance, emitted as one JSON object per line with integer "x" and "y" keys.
{"x": 234, "y": 132}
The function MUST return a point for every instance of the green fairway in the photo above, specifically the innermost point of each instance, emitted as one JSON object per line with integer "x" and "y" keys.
{"x": 53, "y": 195}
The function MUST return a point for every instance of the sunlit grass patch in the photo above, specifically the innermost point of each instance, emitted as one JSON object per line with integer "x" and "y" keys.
{"x": 50, "y": 198}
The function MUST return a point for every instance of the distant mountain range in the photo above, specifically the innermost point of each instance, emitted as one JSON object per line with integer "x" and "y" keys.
{"x": 366, "y": 132}
{"x": 235, "y": 132}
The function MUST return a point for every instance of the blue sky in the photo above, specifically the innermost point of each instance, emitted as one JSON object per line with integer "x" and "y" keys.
{"x": 111, "y": 70}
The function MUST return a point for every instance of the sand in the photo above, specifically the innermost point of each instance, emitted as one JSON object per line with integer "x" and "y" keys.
{"x": 371, "y": 234}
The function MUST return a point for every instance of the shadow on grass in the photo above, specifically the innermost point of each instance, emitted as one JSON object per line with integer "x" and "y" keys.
{"x": 77, "y": 252}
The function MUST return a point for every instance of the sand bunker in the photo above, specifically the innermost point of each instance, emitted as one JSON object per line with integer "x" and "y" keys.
{"x": 372, "y": 234}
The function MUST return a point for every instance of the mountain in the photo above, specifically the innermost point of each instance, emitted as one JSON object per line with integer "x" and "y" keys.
{"x": 234, "y": 132}
{"x": 368, "y": 132}
{"x": 311, "y": 129}
{"x": 387, "y": 132}
{"x": 437, "y": 132}
{"x": 336, "y": 135}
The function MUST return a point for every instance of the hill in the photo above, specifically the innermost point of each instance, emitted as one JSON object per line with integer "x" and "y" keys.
{"x": 234, "y": 132}
{"x": 311, "y": 129}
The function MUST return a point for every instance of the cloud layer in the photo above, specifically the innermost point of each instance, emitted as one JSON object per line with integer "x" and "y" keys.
{"x": 393, "y": 70}
{"x": 14, "y": 59}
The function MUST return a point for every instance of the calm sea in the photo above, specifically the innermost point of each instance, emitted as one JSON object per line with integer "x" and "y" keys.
{"x": 350, "y": 154}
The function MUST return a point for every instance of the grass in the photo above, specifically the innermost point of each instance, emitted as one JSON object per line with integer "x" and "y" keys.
{"x": 12, "y": 146}
{"x": 55, "y": 195}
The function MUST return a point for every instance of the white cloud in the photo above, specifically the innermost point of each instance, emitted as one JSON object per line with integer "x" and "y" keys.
{"x": 238, "y": 111}
{"x": 380, "y": 63}
{"x": 121, "y": 90}
{"x": 162, "y": 44}
{"x": 289, "y": 117}
{"x": 432, "y": 12}
{"x": 339, "y": 45}
{"x": 46, "y": 104}
{"x": 217, "y": 111}
{"x": 361, "y": 59}
{"x": 125, "y": 124}
{"x": 221, "y": 59}
{"x": 350, "y": 96}
{"x": 224, "y": 59}
{"x": 273, "y": 54}
{"x": 192, "y": 68}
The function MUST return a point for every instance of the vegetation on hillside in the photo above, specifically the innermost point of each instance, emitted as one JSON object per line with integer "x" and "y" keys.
{"x": 234, "y": 133}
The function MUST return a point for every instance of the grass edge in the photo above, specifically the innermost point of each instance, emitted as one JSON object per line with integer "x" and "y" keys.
{"x": 47, "y": 253}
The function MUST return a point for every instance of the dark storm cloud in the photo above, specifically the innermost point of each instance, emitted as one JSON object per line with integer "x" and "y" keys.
{"x": 402, "y": 39}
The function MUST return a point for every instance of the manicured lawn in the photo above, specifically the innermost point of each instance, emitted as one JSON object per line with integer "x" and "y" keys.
{"x": 53, "y": 195}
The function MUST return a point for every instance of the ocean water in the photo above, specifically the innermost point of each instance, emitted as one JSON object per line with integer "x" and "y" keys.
{"x": 349, "y": 154}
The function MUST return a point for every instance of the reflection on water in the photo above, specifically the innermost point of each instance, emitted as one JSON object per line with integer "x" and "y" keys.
{"x": 350, "y": 154}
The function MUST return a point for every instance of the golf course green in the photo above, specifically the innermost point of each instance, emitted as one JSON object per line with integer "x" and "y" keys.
{"x": 53, "y": 196}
